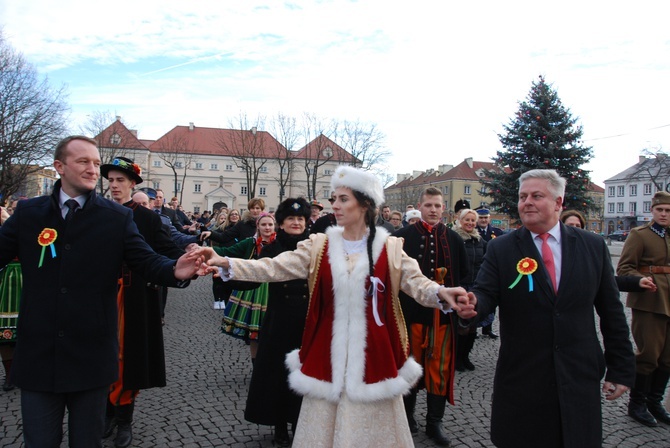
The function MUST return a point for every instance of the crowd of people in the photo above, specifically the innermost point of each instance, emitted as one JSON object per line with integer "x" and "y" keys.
{"x": 348, "y": 314}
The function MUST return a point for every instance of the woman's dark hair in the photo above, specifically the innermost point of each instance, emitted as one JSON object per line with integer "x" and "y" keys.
{"x": 370, "y": 218}
{"x": 568, "y": 213}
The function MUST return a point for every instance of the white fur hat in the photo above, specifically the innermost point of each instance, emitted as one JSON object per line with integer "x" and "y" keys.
{"x": 358, "y": 180}
{"x": 412, "y": 214}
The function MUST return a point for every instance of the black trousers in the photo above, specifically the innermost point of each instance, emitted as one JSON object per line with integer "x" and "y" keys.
{"x": 43, "y": 412}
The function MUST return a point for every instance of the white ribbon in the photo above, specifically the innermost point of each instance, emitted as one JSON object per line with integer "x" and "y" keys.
{"x": 377, "y": 286}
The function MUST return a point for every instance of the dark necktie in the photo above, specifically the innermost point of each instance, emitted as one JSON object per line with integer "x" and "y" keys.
{"x": 72, "y": 205}
{"x": 548, "y": 259}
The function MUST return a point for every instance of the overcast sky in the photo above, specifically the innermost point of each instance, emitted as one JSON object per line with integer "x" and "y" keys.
{"x": 439, "y": 78}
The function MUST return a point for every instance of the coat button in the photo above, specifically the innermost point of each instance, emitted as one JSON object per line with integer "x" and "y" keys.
{"x": 67, "y": 246}
{"x": 61, "y": 333}
{"x": 63, "y": 290}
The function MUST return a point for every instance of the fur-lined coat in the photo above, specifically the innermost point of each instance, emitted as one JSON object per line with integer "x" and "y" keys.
{"x": 340, "y": 360}
{"x": 475, "y": 248}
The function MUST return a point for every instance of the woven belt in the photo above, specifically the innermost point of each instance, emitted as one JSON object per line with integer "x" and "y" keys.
{"x": 654, "y": 269}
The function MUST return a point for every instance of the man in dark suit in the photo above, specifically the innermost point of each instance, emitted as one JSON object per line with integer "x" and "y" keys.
{"x": 546, "y": 279}
{"x": 142, "y": 359}
{"x": 71, "y": 245}
{"x": 159, "y": 205}
{"x": 441, "y": 255}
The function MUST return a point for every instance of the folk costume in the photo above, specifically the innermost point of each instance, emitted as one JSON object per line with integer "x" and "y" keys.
{"x": 441, "y": 255}
{"x": 647, "y": 253}
{"x": 11, "y": 283}
{"x": 354, "y": 364}
{"x": 141, "y": 350}
{"x": 247, "y": 305}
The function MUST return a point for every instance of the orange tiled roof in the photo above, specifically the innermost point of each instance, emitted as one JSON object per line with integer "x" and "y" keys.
{"x": 216, "y": 141}
{"x": 319, "y": 144}
{"x": 128, "y": 140}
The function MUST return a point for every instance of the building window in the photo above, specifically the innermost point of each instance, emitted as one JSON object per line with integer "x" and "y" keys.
{"x": 284, "y": 170}
{"x": 328, "y": 173}
{"x": 197, "y": 188}
{"x": 178, "y": 165}
{"x": 610, "y": 207}
{"x": 213, "y": 166}
{"x": 619, "y": 207}
{"x": 156, "y": 185}
{"x": 647, "y": 189}
{"x": 445, "y": 190}
{"x": 264, "y": 169}
{"x": 326, "y": 194}
{"x": 632, "y": 207}
{"x": 115, "y": 139}
{"x": 198, "y": 165}
{"x": 620, "y": 190}
{"x": 466, "y": 189}
{"x": 632, "y": 190}
{"x": 646, "y": 206}
{"x": 157, "y": 164}
{"x": 610, "y": 192}
{"x": 261, "y": 191}
{"x": 229, "y": 167}
{"x": 196, "y": 209}
{"x": 243, "y": 190}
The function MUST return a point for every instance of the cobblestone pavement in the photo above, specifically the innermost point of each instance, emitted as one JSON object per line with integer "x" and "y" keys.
{"x": 208, "y": 377}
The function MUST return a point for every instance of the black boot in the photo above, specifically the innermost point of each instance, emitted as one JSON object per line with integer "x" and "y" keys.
{"x": 460, "y": 349}
{"x": 281, "y": 435}
{"x": 7, "y": 385}
{"x": 488, "y": 331}
{"x": 637, "y": 405}
{"x": 659, "y": 381}
{"x": 110, "y": 420}
{"x": 436, "y": 405}
{"x": 124, "y": 419}
{"x": 410, "y": 404}
{"x": 468, "y": 343}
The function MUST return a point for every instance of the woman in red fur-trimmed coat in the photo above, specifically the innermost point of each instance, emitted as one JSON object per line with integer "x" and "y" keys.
{"x": 354, "y": 364}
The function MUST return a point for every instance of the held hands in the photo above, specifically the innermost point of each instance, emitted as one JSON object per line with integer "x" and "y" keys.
{"x": 648, "y": 283}
{"x": 613, "y": 391}
{"x": 209, "y": 260}
{"x": 459, "y": 300}
{"x": 188, "y": 265}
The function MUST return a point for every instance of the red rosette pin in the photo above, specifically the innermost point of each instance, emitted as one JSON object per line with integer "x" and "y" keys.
{"x": 525, "y": 267}
{"x": 47, "y": 237}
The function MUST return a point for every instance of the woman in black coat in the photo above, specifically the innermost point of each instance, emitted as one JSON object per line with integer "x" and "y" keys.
{"x": 270, "y": 401}
{"x": 475, "y": 247}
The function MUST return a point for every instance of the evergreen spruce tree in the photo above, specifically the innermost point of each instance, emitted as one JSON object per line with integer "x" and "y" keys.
{"x": 542, "y": 135}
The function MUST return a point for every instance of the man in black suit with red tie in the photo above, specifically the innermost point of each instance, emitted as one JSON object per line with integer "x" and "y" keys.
{"x": 546, "y": 279}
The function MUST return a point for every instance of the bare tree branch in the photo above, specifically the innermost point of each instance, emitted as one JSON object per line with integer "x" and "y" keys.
{"x": 247, "y": 148}
{"x": 32, "y": 120}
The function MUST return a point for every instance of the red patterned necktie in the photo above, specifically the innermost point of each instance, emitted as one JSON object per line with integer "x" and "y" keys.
{"x": 548, "y": 259}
